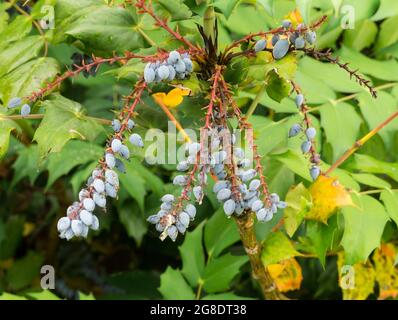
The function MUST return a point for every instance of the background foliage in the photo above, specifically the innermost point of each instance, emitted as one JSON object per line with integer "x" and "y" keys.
{"x": 44, "y": 162}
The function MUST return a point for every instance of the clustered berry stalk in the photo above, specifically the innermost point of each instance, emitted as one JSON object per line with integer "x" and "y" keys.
{"x": 240, "y": 185}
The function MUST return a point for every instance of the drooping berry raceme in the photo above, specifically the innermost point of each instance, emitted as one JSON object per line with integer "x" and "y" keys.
{"x": 308, "y": 133}
{"x": 104, "y": 180}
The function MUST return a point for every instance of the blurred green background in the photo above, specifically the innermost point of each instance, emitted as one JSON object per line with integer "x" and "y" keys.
{"x": 125, "y": 259}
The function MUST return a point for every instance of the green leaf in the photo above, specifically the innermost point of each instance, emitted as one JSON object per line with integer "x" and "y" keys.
{"x": 304, "y": 7}
{"x": 363, "y": 228}
{"x": 314, "y": 90}
{"x": 174, "y": 287}
{"x": 299, "y": 203}
{"x": 13, "y": 233}
{"x": 220, "y": 271}
{"x": 134, "y": 222}
{"x": 176, "y": 10}
{"x": 19, "y": 53}
{"x": 362, "y": 36}
{"x": 371, "y": 180}
{"x": 27, "y": 165}
{"x": 134, "y": 183}
{"x": 107, "y": 29}
{"x": 27, "y": 78}
{"x": 6, "y": 126}
{"x": 73, "y": 154}
{"x": 384, "y": 70}
{"x": 63, "y": 120}
{"x": 277, "y": 247}
{"x": 226, "y": 6}
{"x": 295, "y": 161}
{"x": 388, "y": 34}
{"x": 277, "y": 87}
{"x": 16, "y": 30}
{"x": 338, "y": 118}
{"x": 375, "y": 111}
{"x": 24, "y": 271}
{"x": 390, "y": 200}
{"x": 387, "y": 9}
{"x": 81, "y": 176}
{"x": 368, "y": 164}
{"x": 334, "y": 77}
{"x": 219, "y": 233}
{"x": 321, "y": 237}
{"x": 192, "y": 255}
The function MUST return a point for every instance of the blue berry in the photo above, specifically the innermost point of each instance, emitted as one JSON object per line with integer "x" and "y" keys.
{"x": 63, "y": 224}
{"x": 89, "y": 204}
{"x": 130, "y": 124}
{"x": 124, "y": 152}
{"x": 172, "y": 232}
{"x": 136, "y": 140}
{"x": 191, "y": 210}
{"x": 95, "y": 224}
{"x": 180, "y": 66}
{"x": 174, "y": 56}
{"x": 310, "y": 36}
{"x": 275, "y": 39}
{"x": 119, "y": 165}
{"x": 315, "y": 172}
{"x": 116, "y": 145}
{"x": 299, "y": 100}
{"x": 281, "y": 48}
{"x": 116, "y": 125}
{"x": 110, "y": 160}
{"x": 260, "y": 45}
{"x": 149, "y": 74}
{"x": 163, "y": 72}
{"x": 86, "y": 217}
{"x": 286, "y": 24}
{"x": 294, "y": 130}
{"x": 77, "y": 227}
{"x": 25, "y": 110}
{"x": 299, "y": 43}
{"x": 306, "y": 146}
{"x": 229, "y": 207}
{"x": 168, "y": 198}
{"x": 310, "y": 133}
{"x": 223, "y": 194}
{"x": 14, "y": 102}
{"x": 99, "y": 185}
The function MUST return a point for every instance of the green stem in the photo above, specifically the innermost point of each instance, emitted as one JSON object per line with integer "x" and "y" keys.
{"x": 199, "y": 291}
{"x": 255, "y": 102}
{"x": 375, "y": 191}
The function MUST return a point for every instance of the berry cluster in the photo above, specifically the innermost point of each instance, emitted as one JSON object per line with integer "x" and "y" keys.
{"x": 104, "y": 182}
{"x": 17, "y": 102}
{"x": 288, "y": 39}
{"x": 176, "y": 66}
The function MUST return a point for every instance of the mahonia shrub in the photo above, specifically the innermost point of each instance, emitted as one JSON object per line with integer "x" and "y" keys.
{"x": 180, "y": 67}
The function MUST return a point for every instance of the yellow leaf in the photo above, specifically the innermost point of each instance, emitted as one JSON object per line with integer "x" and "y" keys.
{"x": 327, "y": 195}
{"x": 174, "y": 98}
{"x": 357, "y": 283}
{"x": 295, "y": 17}
{"x": 386, "y": 272}
{"x": 286, "y": 274}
